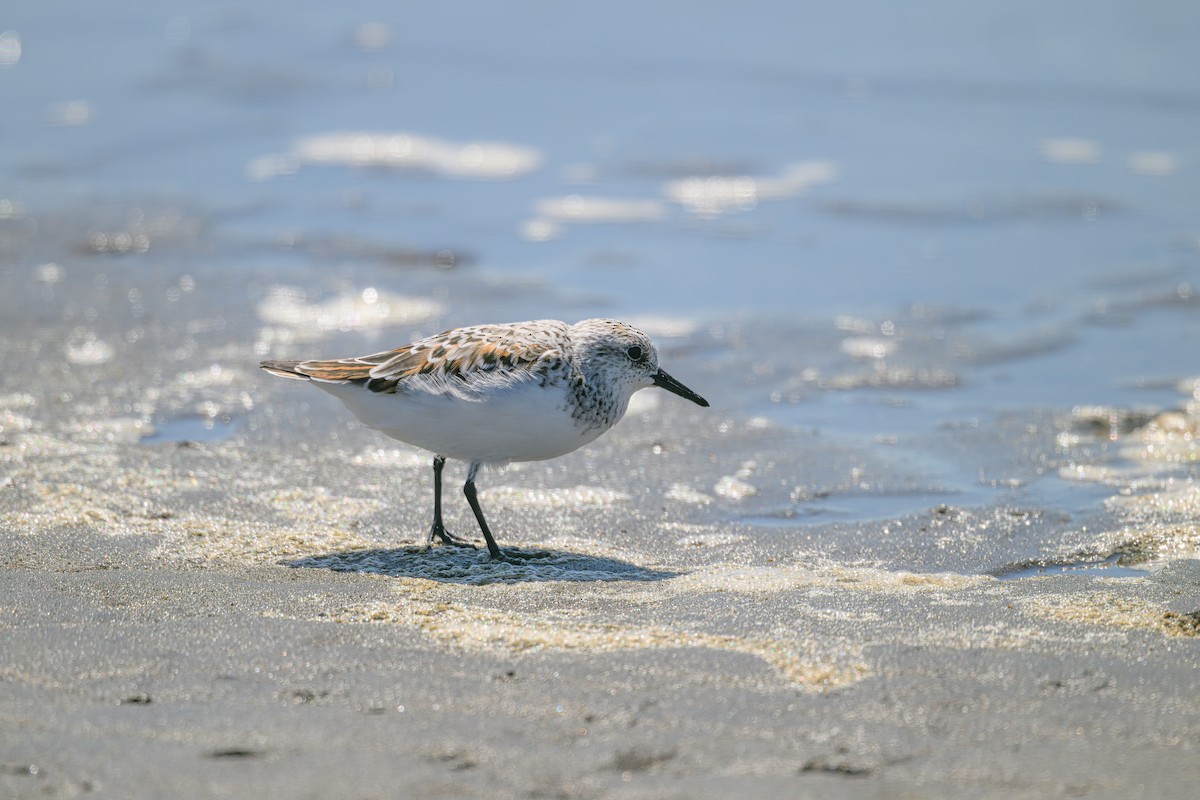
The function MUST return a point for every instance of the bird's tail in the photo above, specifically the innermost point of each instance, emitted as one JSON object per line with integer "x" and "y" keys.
{"x": 284, "y": 369}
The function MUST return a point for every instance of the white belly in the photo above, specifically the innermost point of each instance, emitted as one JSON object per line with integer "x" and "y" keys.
{"x": 525, "y": 422}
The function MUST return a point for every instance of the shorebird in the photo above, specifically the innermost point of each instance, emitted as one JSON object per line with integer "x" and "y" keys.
{"x": 493, "y": 394}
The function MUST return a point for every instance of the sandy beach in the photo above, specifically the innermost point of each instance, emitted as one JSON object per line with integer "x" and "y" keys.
{"x": 935, "y": 537}
{"x": 252, "y": 616}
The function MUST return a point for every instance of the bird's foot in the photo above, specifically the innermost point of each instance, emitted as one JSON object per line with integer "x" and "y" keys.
{"x": 448, "y": 538}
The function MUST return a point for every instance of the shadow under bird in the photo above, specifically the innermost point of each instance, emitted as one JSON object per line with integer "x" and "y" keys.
{"x": 493, "y": 394}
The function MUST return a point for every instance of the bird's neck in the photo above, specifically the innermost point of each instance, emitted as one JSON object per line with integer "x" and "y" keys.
{"x": 599, "y": 400}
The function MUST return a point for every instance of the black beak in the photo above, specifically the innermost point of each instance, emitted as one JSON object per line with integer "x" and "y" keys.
{"x": 664, "y": 381}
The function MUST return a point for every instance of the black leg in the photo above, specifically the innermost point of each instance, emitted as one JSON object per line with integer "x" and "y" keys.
{"x": 438, "y": 529}
{"x": 469, "y": 491}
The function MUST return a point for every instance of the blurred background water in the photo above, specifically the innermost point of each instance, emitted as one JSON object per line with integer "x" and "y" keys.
{"x": 1001, "y": 198}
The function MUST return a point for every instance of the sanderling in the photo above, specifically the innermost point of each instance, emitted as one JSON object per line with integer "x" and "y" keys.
{"x": 492, "y": 394}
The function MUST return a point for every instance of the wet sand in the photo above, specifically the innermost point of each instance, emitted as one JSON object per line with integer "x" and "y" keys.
{"x": 214, "y": 587}
{"x": 935, "y": 538}
{"x": 195, "y": 624}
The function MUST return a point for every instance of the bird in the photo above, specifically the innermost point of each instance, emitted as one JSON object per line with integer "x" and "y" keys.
{"x": 494, "y": 394}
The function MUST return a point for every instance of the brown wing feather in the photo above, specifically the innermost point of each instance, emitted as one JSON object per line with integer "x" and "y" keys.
{"x": 449, "y": 359}
{"x": 449, "y": 355}
{"x": 336, "y": 371}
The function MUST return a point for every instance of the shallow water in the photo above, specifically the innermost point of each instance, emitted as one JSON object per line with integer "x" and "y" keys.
{"x": 1107, "y": 568}
{"x": 190, "y": 429}
{"x": 922, "y": 238}
{"x": 935, "y": 266}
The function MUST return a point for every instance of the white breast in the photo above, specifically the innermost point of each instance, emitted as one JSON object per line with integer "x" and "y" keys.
{"x": 525, "y": 422}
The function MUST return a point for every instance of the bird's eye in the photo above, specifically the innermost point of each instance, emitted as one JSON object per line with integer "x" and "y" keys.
{"x": 634, "y": 353}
